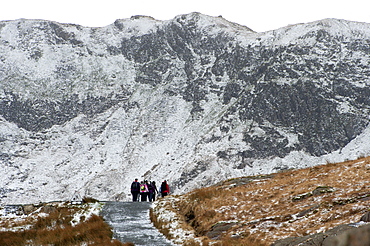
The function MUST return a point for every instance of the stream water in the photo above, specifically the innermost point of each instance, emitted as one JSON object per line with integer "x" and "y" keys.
{"x": 130, "y": 222}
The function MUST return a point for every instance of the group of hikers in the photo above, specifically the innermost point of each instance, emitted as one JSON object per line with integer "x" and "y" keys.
{"x": 147, "y": 190}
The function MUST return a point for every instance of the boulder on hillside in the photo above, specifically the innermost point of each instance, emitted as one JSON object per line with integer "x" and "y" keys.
{"x": 366, "y": 217}
{"x": 343, "y": 235}
{"x": 354, "y": 237}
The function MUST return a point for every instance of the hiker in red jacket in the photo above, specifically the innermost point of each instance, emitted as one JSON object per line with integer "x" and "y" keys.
{"x": 165, "y": 189}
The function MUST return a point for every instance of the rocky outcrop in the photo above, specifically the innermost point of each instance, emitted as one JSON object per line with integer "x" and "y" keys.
{"x": 195, "y": 97}
{"x": 365, "y": 217}
{"x": 353, "y": 237}
{"x": 343, "y": 235}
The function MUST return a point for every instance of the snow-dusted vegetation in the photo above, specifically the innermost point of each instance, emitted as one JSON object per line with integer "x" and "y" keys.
{"x": 259, "y": 210}
{"x": 54, "y": 223}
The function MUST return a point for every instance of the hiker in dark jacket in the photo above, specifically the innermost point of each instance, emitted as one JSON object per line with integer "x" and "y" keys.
{"x": 152, "y": 191}
{"x": 135, "y": 190}
{"x": 165, "y": 188}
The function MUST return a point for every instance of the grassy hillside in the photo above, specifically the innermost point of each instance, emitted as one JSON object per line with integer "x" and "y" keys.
{"x": 56, "y": 224}
{"x": 262, "y": 209}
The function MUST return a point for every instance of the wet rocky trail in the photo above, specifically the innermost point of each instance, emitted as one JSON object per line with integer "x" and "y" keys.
{"x": 130, "y": 222}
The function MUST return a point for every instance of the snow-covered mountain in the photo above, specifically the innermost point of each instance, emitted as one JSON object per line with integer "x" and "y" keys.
{"x": 193, "y": 100}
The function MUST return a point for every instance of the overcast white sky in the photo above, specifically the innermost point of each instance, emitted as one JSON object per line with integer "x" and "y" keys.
{"x": 259, "y": 15}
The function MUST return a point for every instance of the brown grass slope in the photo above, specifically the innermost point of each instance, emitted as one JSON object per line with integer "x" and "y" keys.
{"x": 56, "y": 229}
{"x": 260, "y": 210}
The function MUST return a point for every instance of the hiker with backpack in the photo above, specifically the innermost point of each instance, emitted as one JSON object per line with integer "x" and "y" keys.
{"x": 135, "y": 190}
{"x": 152, "y": 191}
{"x": 165, "y": 188}
{"x": 144, "y": 191}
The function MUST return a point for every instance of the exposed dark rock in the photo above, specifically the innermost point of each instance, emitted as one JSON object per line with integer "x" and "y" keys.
{"x": 322, "y": 190}
{"x": 353, "y": 237}
{"x": 306, "y": 212}
{"x": 243, "y": 180}
{"x": 41, "y": 114}
{"x": 366, "y": 217}
{"x": 218, "y": 229}
{"x": 316, "y": 192}
{"x": 346, "y": 235}
{"x": 193, "y": 173}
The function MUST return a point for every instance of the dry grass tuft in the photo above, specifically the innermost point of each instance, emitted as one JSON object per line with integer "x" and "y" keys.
{"x": 88, "y": 199}
{"x": 56, "y": 229}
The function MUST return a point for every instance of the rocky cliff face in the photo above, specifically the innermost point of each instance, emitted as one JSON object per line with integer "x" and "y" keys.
{"x": 193, "y": 100}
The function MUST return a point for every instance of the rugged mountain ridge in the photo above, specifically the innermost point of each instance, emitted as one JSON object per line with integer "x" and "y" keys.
{"x": 195, "y": 100}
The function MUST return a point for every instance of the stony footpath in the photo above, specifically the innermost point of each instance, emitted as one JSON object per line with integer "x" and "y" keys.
{"x": 130, "y": 222}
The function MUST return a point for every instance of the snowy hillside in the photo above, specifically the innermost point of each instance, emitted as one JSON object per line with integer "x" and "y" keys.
{"x": 193, "y": 100}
